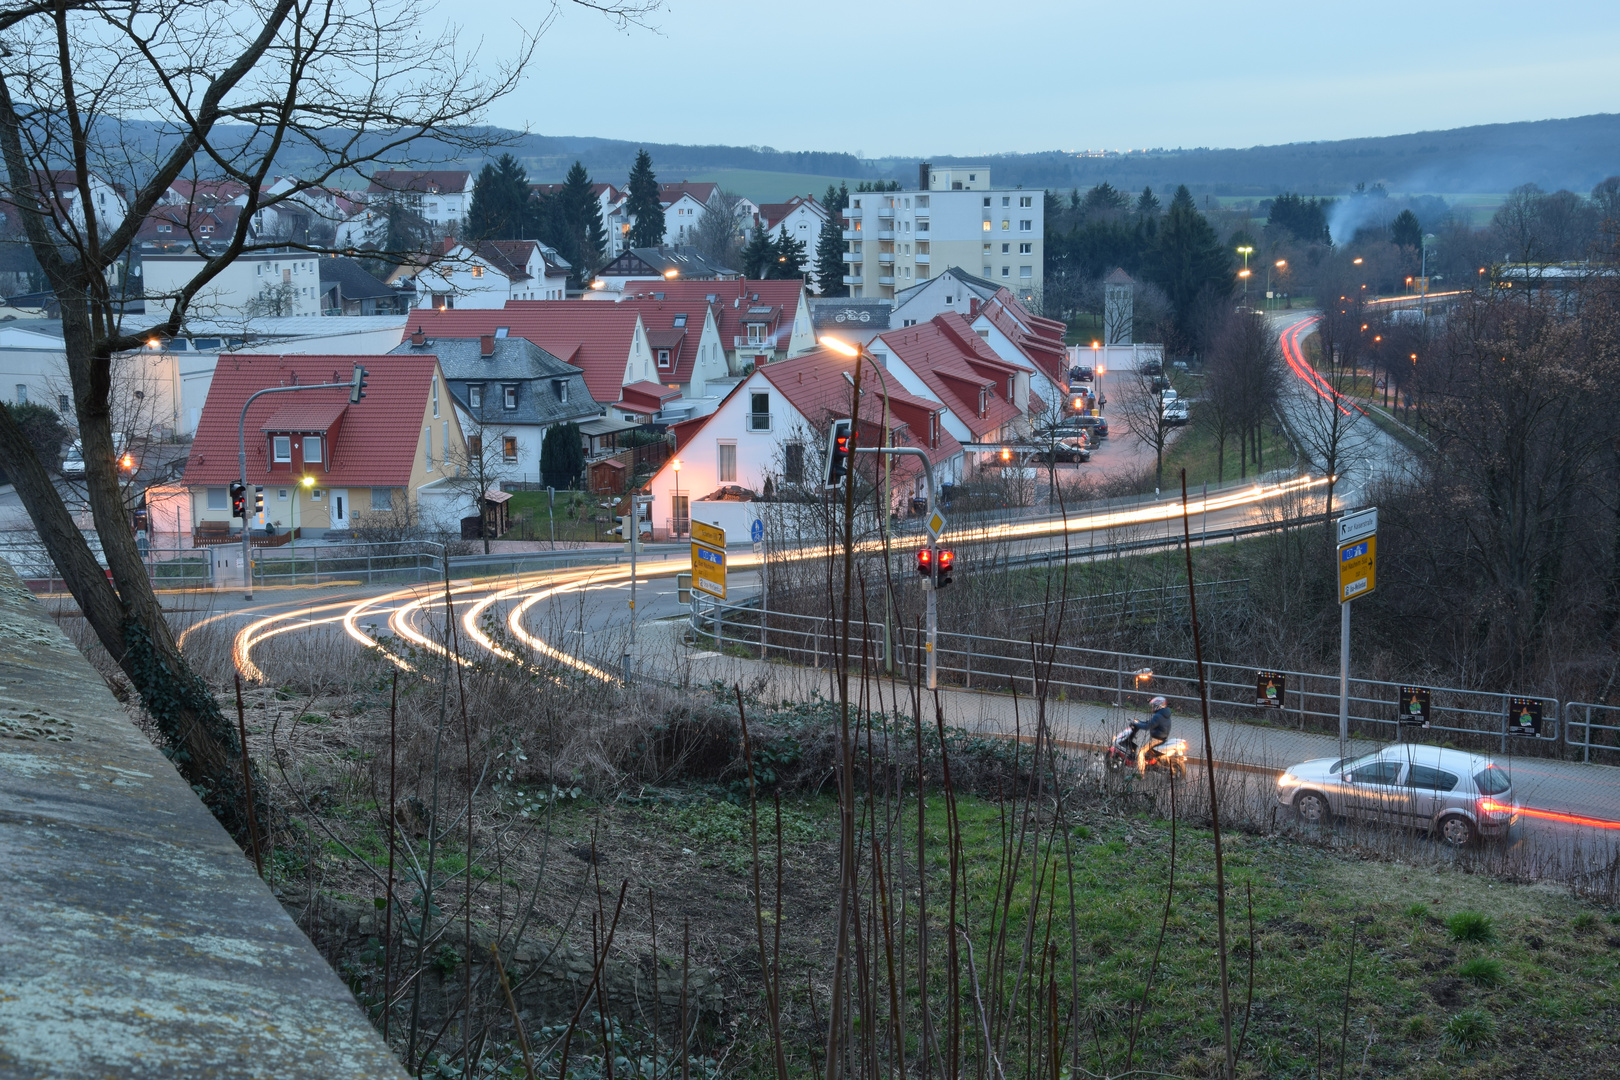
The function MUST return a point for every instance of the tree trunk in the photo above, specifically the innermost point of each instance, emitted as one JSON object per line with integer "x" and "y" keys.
{"x": 124, "y": 612}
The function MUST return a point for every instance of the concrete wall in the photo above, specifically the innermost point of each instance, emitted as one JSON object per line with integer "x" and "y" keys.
{"x": 135, "y": 938}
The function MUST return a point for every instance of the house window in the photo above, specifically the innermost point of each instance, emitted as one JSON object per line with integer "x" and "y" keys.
{"x": 22, "y": 394}
{"x": 315, "y": 494}
{"x": 680, "y": 321}
{"x": 1005, "y": 224}
{"x": 561, "y": 387}
{"x": 509, "y": 448}
{"x": 427, "y": 443}
{"x": 1026, "y": 272}
{"x": 475, "y": 446}
{"x": 478, "y": 271}
{"x": 988, "y": 271}
{"x": 922, "y": 202}
{"x": 62, "y": 403}
{"x": 726, "y": 463}
{"x": 1026, "y": 249}
{"x": 509, "y": 396}
{"x": 216, "y": 498}
{"x": 1006, "y": 271}
{"x": 987, "y": 200}
{"x": 1006, "y": 200}
{"x": 1026, "y": 200}
{"x": 281, "y": 448}
{"x": 1005, "y": 248}
{"x": 663, "y": 358}
{"x": 281, "y": 494}
{"x": 382, "y": 498}
{"x": 475, "y": 395}
{"x": 987, "y": 225}
{"x": 435, "y": 392}
{"x": 756, "y": 333}
{"x": 759, "y": 412}
{"x": 1024, "y": 224}
{"x": 312, "y": 449}
{"x": 793, "y": 463}
{"x": 165, "y": 228}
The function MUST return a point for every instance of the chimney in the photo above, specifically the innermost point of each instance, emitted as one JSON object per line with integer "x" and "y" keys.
{"x": 486, "y": 346}
{"x": 418, "y": 339}
{"x": 923, "y": 170}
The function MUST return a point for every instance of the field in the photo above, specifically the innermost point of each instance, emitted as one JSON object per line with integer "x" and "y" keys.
{"x": 765, "y": 187}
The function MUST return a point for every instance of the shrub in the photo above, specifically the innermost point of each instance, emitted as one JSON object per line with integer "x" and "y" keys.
{"x": 1469, "y": 1029}
{"x": 1481, "y": 971}
{"x": 1470, "y": 926}
{"x": 562, "y": 456}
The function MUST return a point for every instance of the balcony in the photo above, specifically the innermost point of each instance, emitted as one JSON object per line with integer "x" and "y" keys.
{"x": 852, "y": 211}
{"x": 885, "y": 234}
{"x": 741, "y": 341}
{"x": 852, "y": 279}
{"x": 759, "y": 421}
{"x": 922, "y": 258}
{"x": 886, "y": 257}
{"x": 886, "y": 279}
{"x": 854, "y": 234}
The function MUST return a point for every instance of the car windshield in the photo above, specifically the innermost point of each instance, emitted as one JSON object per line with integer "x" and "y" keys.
{"x": 1351, "y": 764}
{"x": 1492, "y": 780}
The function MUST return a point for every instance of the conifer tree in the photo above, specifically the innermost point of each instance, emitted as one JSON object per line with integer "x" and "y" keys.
{"x": 760, "y": 254}
{"x": 643, "y": 205}
{"x": 830, "y": 245}
{"x": 790, "y": 255}
{"x": 500, "y": 202}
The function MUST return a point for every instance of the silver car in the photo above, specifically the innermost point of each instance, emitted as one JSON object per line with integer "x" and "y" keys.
{"x": 1454, "y": 794}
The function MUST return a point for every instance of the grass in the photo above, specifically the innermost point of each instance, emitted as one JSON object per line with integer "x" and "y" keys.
{"x": 1195, "y": 450}
{"x": 1470, "y": 926}
{"x": 532, "y": 519}
{"x": 765, "y": 186}
{"x": 1482, "y": 971}
{"x": 1398, "y": 431}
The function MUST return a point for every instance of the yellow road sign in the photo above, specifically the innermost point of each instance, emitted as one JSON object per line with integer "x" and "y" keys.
{"x": 712, "y": 535}
{"x": 1358, "y": 568}
{"x": 709, "y": 569}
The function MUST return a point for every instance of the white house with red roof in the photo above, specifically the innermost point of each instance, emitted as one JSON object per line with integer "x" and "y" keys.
{"x": 759, "y": 322}
{"x": 440, "y": 196}
{"x": 803, "y": 218}
{"x": 608, "y": 342}
{"x": 381, "y": 461}
{"x": 259, "y": 283}
{"x": 987, "y": 400}
{"x": 684, "y": 336}
{"x": 1018, "y": 337}
{"x": 489, "y": 273}
{"x": 768, "y": 436}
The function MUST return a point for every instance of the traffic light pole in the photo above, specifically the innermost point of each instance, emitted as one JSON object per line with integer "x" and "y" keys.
{"x": 932, "y": 616}
{"x": 356, "y": 392}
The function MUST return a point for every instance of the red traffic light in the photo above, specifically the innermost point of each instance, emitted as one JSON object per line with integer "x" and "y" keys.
{"x": 925, "y": 563}
{"x": 947, "y": 561}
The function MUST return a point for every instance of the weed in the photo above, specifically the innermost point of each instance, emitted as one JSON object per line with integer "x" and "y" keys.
{"x": 1585, "y": 920}
{"x": 1419, "y": 1027}
{"x": 1470, "y": 926}
{"x": 1469, "y": 1029}
{"x": 1481, "y": 971}
{"x": 1418, "y": 911}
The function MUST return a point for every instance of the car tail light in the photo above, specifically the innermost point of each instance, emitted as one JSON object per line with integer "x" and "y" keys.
{"x": 1490, "y": 808}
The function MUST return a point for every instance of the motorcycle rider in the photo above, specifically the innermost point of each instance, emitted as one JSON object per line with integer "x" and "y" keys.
{"x": 1158, "y": 728}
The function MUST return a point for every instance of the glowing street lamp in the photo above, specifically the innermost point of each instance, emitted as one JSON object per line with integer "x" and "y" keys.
{"x": 672, "y": 273}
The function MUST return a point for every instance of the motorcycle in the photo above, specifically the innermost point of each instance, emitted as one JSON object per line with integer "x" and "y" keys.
{"x": 1170, "y": 755}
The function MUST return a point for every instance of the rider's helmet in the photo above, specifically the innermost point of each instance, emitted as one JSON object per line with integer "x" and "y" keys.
{"x": 1158, "y": 703}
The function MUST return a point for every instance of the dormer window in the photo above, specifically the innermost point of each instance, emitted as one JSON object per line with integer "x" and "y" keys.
{"x": 509, "y": 397}
{"x": 561, "y": 387}
{"x": 663, "y": 358}
{"x": 756, "y": 333}
{"x": 475, "y": 395}
{"x": 281, "y": 448}
{"x": 312, "y": 449}
{"x": 984, "y": 400}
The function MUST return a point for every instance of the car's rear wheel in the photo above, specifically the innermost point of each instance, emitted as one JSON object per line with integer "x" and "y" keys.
{"x": 1457, "y": 831}
{"x": 1312, "y": 808}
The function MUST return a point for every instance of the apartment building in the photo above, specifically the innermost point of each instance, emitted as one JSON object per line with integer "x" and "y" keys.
{"x": 956, "y": 217}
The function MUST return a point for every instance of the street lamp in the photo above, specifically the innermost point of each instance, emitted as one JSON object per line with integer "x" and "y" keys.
{"x": 671, "y": 274}
{"x": 1281, "y": 265}
{"x": 675, "y": 499}
{"x": 1246, "y": 250}
{"x": 306, "y": 483}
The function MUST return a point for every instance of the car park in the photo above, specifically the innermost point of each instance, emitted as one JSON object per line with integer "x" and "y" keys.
{"x": 1094, "y": 427}
{"x": 1455, "y": 795}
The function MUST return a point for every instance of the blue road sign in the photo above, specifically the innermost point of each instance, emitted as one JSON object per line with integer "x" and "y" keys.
{"x": 756, "y": 531}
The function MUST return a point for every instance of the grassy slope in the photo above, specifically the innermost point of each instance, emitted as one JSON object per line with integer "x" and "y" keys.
{"x": 764, "y": 186}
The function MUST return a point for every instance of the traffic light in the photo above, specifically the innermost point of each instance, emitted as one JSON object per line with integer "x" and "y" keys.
{"x": 942, "y": 572}
{"x": 238, "y": 501}
{"x": 925, "y": 563}
{"x": 357, "y": 388}
{"x": 837, "y": 453}
{"x": 630, "y": 533}
{"x": 258, "y": 501}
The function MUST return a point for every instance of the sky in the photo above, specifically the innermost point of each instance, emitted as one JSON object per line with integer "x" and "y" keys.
{"x": 937, "y": 77}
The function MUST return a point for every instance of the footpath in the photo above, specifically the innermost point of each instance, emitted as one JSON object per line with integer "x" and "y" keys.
{"x": 1559, "y": 787}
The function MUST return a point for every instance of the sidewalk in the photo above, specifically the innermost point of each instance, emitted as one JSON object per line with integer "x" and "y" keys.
{"x": 1557, "y": 786}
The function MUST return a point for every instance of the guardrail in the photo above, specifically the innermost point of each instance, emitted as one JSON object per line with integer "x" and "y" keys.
{"x": 386, "y": 562}
{"x": 1477, "y": 719}
{"x": 1578, "y": 715}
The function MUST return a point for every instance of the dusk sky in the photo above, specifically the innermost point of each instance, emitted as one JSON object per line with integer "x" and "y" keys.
{"x": 909, "y": 77}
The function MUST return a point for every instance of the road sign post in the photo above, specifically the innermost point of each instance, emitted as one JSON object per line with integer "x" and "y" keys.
{"x": 709, "y": 559}
{"x": 1357, "y": 553}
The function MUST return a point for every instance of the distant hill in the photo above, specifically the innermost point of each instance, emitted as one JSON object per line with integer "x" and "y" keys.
{"x": 1574, "y": 153}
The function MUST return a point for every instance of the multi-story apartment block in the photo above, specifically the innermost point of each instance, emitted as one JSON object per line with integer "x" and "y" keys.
{"x": 896, "y": 239}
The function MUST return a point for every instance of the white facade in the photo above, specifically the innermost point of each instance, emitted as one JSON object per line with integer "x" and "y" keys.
{"x": 681, "y": 219}
{"x": 464, "y": 279}
{"x": 895, "y": 239}
{"x": 255, "y": 284}
{"x": 1004, "y": 347}
{"x": 146, "y": 384}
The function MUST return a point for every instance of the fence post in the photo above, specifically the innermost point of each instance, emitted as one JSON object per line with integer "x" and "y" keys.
{"x": 719, "y": 627}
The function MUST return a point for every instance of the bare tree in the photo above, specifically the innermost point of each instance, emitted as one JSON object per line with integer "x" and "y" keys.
{"x": 478, "y": 465}
{"x": 718, "y": 236}
{"x": 1327, "y": 421}
{"x": 1142, "y": 408}
{"x": 99, "y": 100}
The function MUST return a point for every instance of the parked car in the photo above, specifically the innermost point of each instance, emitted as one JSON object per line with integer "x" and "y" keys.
{"x": 1456, "y": 795}
{"x": 1152, "y": 367}
{"x": 1094, "y": 427}
{"x": 1067, "y": 448}
{"x": 1081, "y": 374}
{"x": 73, "y": 463}
{"x": 1160, "y": 383}
{"x": 1175, "y": 413}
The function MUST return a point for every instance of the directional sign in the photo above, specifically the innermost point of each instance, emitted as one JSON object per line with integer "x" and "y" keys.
{"x": 936, "y": 524}
{"x": 1358, "y": 574}
{"x": 1524, "y": 716}
{"x": 709, "y": 569}
{"x": 756, "y": 531}
{"x": 1414, "y": 705}
{"x": 1270, "y": 687}
{"x": 1356, "y": 526}
{"x": 712, "y": 535}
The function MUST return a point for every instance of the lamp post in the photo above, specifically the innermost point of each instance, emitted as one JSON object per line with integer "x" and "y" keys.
{"x": 356, "y": 388}
{"x": 859, "y": 353}
{"x": 306, "y": 484}
{"x": 675, "y": 499}
{"x": 1246, "y": 250}
{"x": 1281, "y": 265}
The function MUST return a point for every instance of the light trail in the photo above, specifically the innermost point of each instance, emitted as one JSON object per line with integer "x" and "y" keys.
{"x": 1550, "y": 815}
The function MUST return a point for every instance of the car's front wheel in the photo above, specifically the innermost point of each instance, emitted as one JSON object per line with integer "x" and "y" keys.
{"x": 1312, "y": 808}
{"x": 1457, "y": 831}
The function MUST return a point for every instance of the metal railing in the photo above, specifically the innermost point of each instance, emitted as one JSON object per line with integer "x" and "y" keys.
{"x": 1603, "y": 738}
{"x": 1474, "y": 719}
{"x": 388, "y": 562}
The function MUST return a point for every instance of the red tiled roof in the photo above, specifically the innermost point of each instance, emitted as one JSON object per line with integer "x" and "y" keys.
{"x": 658, "y": 317}
{"x": 772, "y": 214}
{"x": 1047, "y": 354}
{"x": 375, "y": 446}
{"x": 189, "y": 222}
{"x": 956, "y": 364}
{"x": 669, "y": 193}
{"x": 308, "y": 416}
{"x": 732, "y": 301}
{"x": 422, "y": 180}
{"x": 510, "y": 257}
{"x": 646, "y": 397}
{"x": 593, "y": 336}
